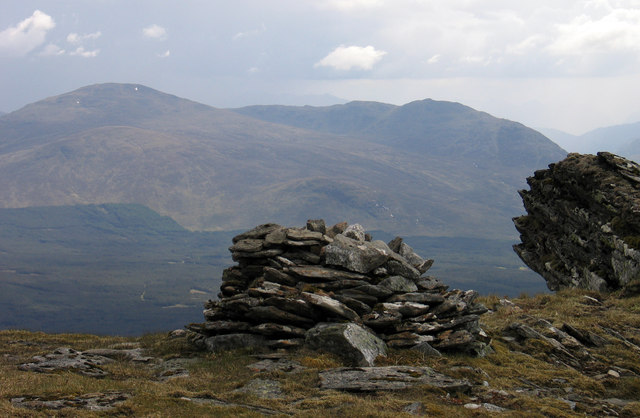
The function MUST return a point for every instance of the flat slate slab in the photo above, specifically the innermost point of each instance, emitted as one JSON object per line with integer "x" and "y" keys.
{"x": 368, "y": 379}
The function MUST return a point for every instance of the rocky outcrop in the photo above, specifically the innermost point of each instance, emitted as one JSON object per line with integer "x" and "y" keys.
{"x": 369, "y": 379}
{"x": 290, "y": 282}
{"x": 582, "y": 227}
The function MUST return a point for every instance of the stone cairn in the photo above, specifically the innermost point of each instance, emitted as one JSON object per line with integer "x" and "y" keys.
{"x": 289, "y": 280}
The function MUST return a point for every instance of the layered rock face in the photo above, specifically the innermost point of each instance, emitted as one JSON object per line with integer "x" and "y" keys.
{"x": 296, "y": 286}
{"x": 582, "y": 227}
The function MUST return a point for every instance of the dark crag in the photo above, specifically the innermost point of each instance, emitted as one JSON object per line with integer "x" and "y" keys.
{"x": 582, "y": 227}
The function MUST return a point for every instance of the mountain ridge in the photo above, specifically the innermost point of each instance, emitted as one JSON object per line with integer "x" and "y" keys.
{"x": 217, "y": 169}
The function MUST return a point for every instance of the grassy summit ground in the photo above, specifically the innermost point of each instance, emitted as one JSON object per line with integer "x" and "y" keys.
{"x": 527, "y": 379}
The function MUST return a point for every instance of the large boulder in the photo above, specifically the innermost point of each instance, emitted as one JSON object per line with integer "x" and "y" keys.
{"x": 582, "y": 227}
{"x": 354, "y": 344}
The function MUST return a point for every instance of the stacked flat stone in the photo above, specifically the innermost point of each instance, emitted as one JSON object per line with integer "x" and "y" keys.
{"x": 288, "y": 280}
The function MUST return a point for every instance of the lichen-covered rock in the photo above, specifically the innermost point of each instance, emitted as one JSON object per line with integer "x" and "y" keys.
{"x": 354, "y": 344}
{"x": 582, "y": 227}
{"x": 366, "y": 379}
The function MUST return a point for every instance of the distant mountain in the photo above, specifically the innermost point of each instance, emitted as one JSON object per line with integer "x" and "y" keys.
{"x": 623, "y": 140}
{"x": 425, "y": 168}
{"x": 444, "y": 129}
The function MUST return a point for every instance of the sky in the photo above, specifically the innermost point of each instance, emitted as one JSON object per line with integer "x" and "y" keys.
{"x": 572, "y": 65}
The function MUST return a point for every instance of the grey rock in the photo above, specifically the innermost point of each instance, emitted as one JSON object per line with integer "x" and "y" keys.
{"x": 354, "y": 344}
{"x": 426, "y": 349}
{"x": 132, "y": 354}
{"x": 275, "y": 237}
{"x": 101, "y": 401}
{"x": 263, "y": 388}
{"x": 379, "y": 292}
{"x": 282, "y": 364}
{"x": 295, "y": 306}
{"x": 330, "y": 305}
{"x": 226, "y": 342}
{"x": 382, "y": 320}
{"x": 273, "y": 314}
{"x": 353, "y": 255}
{"x": 356, "y": 232}
{"x": 414, "y": 259}
{"x": 324, "y": 273}
{"x": 454, "y": 340}
{"x": 238, "y": 255}
{"x": 271, "y": 330}
{"x": 300, "y": 234}
{"x": 247, "y": 246}
{"x": 406, "y": 309}
{"x": 399, "y": 266}
{"x": 337, "y": 229}
{"x": 367, "y": 379}
{"x": 259, "y": 231}
{"x": 317, "y": 225}
{"x": 302, "y": 257}
{"x": 278, "y": 276}
{"x": 68, "y": 359}
{"x": 399, "y": 284}
{"x": 359, "y": 295}
{"x": 424, "y": 298}
{"x": 359, "y": 307}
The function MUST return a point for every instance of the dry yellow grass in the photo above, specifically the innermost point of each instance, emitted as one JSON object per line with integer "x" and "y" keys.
{"x": 506, "y": 378}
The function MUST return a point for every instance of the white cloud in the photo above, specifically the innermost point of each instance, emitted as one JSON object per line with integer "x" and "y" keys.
{"x": 52, "y": 50}
{"x": 165, "y": 54}
{"x": 74, "y": 38}
{"x": 434, "y": 59}
{"x": 155, "y": 32}
{"x": 617, "y": 31}
{"x": 27, "y": 35}
{"x": 352, "y": 57}
{"x": 81, "y": 52}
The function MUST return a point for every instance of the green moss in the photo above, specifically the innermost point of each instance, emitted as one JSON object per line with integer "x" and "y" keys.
{"x": 632, "y": 241}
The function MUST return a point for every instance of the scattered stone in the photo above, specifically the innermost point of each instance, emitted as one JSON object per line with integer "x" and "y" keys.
{"x": 367, "y": 379}
{"x": 135, "y": 354}
{"x": 173, "y": 369}
{"x": 68, "y": 359}
{"x": 263, "y": 388}
{"x": 493, "y": 408}
{"x": 218, "y": 402}
{"x": 90, "y": 401}
{"x": 281, "y": 364}
{"x": 356, "y": 232}
{"x": 350, "y": 341}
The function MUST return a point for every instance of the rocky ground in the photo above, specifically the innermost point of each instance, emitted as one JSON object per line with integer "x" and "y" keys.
{"x": 574, "y": 353}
